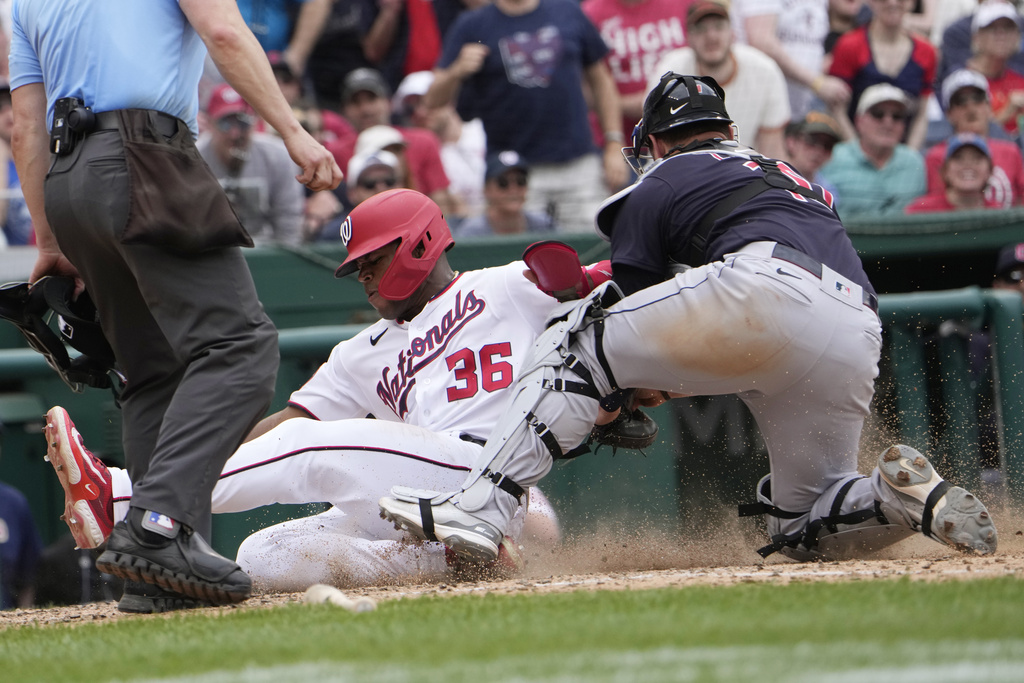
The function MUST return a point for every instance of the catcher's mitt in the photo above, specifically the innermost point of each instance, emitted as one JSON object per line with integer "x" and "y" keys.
{"x": 631, "y": 429}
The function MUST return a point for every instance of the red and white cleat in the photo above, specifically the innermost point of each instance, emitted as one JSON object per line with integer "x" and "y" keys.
{"x": 88, "y": 493}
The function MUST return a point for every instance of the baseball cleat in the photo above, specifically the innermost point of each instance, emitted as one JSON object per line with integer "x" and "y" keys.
{"x": 88, "y": 493}
{"x": 509, "y": 563}
{"x": 422, "y": 515}
{"x": 939, "y": 510}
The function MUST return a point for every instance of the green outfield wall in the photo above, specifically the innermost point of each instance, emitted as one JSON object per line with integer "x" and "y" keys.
{"x": 938, "y": 389}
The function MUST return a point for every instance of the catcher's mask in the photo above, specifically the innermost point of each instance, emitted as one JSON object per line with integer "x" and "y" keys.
{"x": 405, "y": 216}
{"x": 30, "y": 308}
{"x": 676, "y": 101}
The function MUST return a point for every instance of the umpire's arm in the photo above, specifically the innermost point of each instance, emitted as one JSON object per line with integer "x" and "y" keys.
{"x": 242, "y": 62}
{"x": 30, "y": 144}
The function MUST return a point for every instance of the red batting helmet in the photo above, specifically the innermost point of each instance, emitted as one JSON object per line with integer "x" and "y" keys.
{"x": 413, "y": 220}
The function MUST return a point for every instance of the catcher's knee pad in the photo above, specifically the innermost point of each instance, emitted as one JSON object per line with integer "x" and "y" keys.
{"x": 830, "y": 537}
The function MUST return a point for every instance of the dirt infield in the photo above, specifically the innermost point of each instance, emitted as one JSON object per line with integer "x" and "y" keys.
{"x": 646, "y": 561}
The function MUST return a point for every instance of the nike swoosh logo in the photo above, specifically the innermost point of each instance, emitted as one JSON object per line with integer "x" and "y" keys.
{"x": 780, "y": 271}
{"x": 374, "y": 340}
{"x": 674, "y": 110}
{"x": 92, "y": 490}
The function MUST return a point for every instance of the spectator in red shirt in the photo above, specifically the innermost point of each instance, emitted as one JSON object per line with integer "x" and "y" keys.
{"x": 995, "y": 31}
{"x": 965, "y": 173}
{"x": 965, "y": 98}
{"x": 883, "y": 51}
{"x": 366, "y": 102}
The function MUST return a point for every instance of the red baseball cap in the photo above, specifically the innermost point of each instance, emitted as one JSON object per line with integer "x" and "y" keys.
{"x": 225, "y": 101}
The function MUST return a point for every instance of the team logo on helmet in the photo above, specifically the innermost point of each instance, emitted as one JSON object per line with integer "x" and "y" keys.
{"x": 346, "y": 231}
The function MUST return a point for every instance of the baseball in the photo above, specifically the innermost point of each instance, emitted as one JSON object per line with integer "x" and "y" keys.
{"x": 320, "y": 593}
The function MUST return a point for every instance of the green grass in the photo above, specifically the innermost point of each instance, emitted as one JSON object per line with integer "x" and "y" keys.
{"x": 858, "y": 631}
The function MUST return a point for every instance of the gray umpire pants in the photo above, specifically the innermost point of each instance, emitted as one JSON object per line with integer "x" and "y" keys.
{"x": 199, "y": 353}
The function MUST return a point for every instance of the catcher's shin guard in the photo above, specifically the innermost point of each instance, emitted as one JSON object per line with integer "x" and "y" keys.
{"x": 835, "y": 536}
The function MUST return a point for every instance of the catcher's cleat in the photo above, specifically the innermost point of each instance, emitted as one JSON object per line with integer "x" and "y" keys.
{"x": 88, "y": 493}
{"x": 939, "y": 510}
{"x": 432, "y": 517}
{"x": 509, "y": 563}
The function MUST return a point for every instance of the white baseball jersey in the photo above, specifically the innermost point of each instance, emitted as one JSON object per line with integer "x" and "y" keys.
{"x": 442, "y": 375}
{"x": 443, "y": 370}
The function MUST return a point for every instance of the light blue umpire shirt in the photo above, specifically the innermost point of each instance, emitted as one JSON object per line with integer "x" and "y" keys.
{"x": 112, "y": 54}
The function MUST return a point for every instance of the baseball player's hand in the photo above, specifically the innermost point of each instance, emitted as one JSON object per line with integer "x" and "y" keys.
{"x": 320, "y": 171}
{"x": 470, "y": 60}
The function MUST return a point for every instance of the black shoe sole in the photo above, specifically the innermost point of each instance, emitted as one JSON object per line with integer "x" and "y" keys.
{"x": 140, "y": 604}
{"x": 135, "y": 568}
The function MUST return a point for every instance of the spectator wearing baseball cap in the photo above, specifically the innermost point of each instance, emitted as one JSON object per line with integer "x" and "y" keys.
{"x": 754, "y": 85}
{"x": 366, "y": 103}
{"x": 367, "y": 174}
{"x": 505, "y": 187}
{"x": 876, "y": 174}
{"x": 996, "y": 38}
{"x": 955, "y": 42}
{"x": 1009, "y": 273}
{"x": 965, "y": 99}
{"x": 965, "y": 174}
{"x": 253, "y": 168}
{"x": 809, "y": 143}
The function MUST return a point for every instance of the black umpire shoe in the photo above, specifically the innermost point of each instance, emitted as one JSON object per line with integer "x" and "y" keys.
{"x": 145, "y": 598}
{"x": 185, "y": 564}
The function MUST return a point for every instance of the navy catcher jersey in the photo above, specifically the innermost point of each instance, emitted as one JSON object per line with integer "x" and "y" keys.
{"x": 657, "y": 219}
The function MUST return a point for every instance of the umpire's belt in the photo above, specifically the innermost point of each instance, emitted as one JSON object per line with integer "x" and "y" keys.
{"x": 108, "y": 120}
{"x": 812, "y": 266}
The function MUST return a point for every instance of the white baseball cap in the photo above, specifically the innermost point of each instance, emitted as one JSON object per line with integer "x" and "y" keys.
{"x": 360, "y": 162}
{"x": 881, "y": 92}
{"x": 416, "y": 83}
{"x": 963, "y": 78}
{"x": 378, "y": 137}
{"x": 989, "y": 12}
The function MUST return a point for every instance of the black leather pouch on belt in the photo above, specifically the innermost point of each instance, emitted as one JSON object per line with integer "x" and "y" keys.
{"x": 176, "y": 201}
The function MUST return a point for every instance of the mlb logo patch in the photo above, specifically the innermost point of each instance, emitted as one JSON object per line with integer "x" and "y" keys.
{"x": 159, "y": 520}
{"x": 843, "y": 290}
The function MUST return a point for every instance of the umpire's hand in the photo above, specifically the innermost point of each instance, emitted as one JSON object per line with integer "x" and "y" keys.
{"x": 320, "y": 171}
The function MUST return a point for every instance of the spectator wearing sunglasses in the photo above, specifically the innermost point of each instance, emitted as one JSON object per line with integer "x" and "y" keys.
{"x": 369, "y": 172}
{"x": 875, "y": 174}
{"x": 967, "y": 103}
{"x": 505, "y": 188}
{"x": 254, "y": 169}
